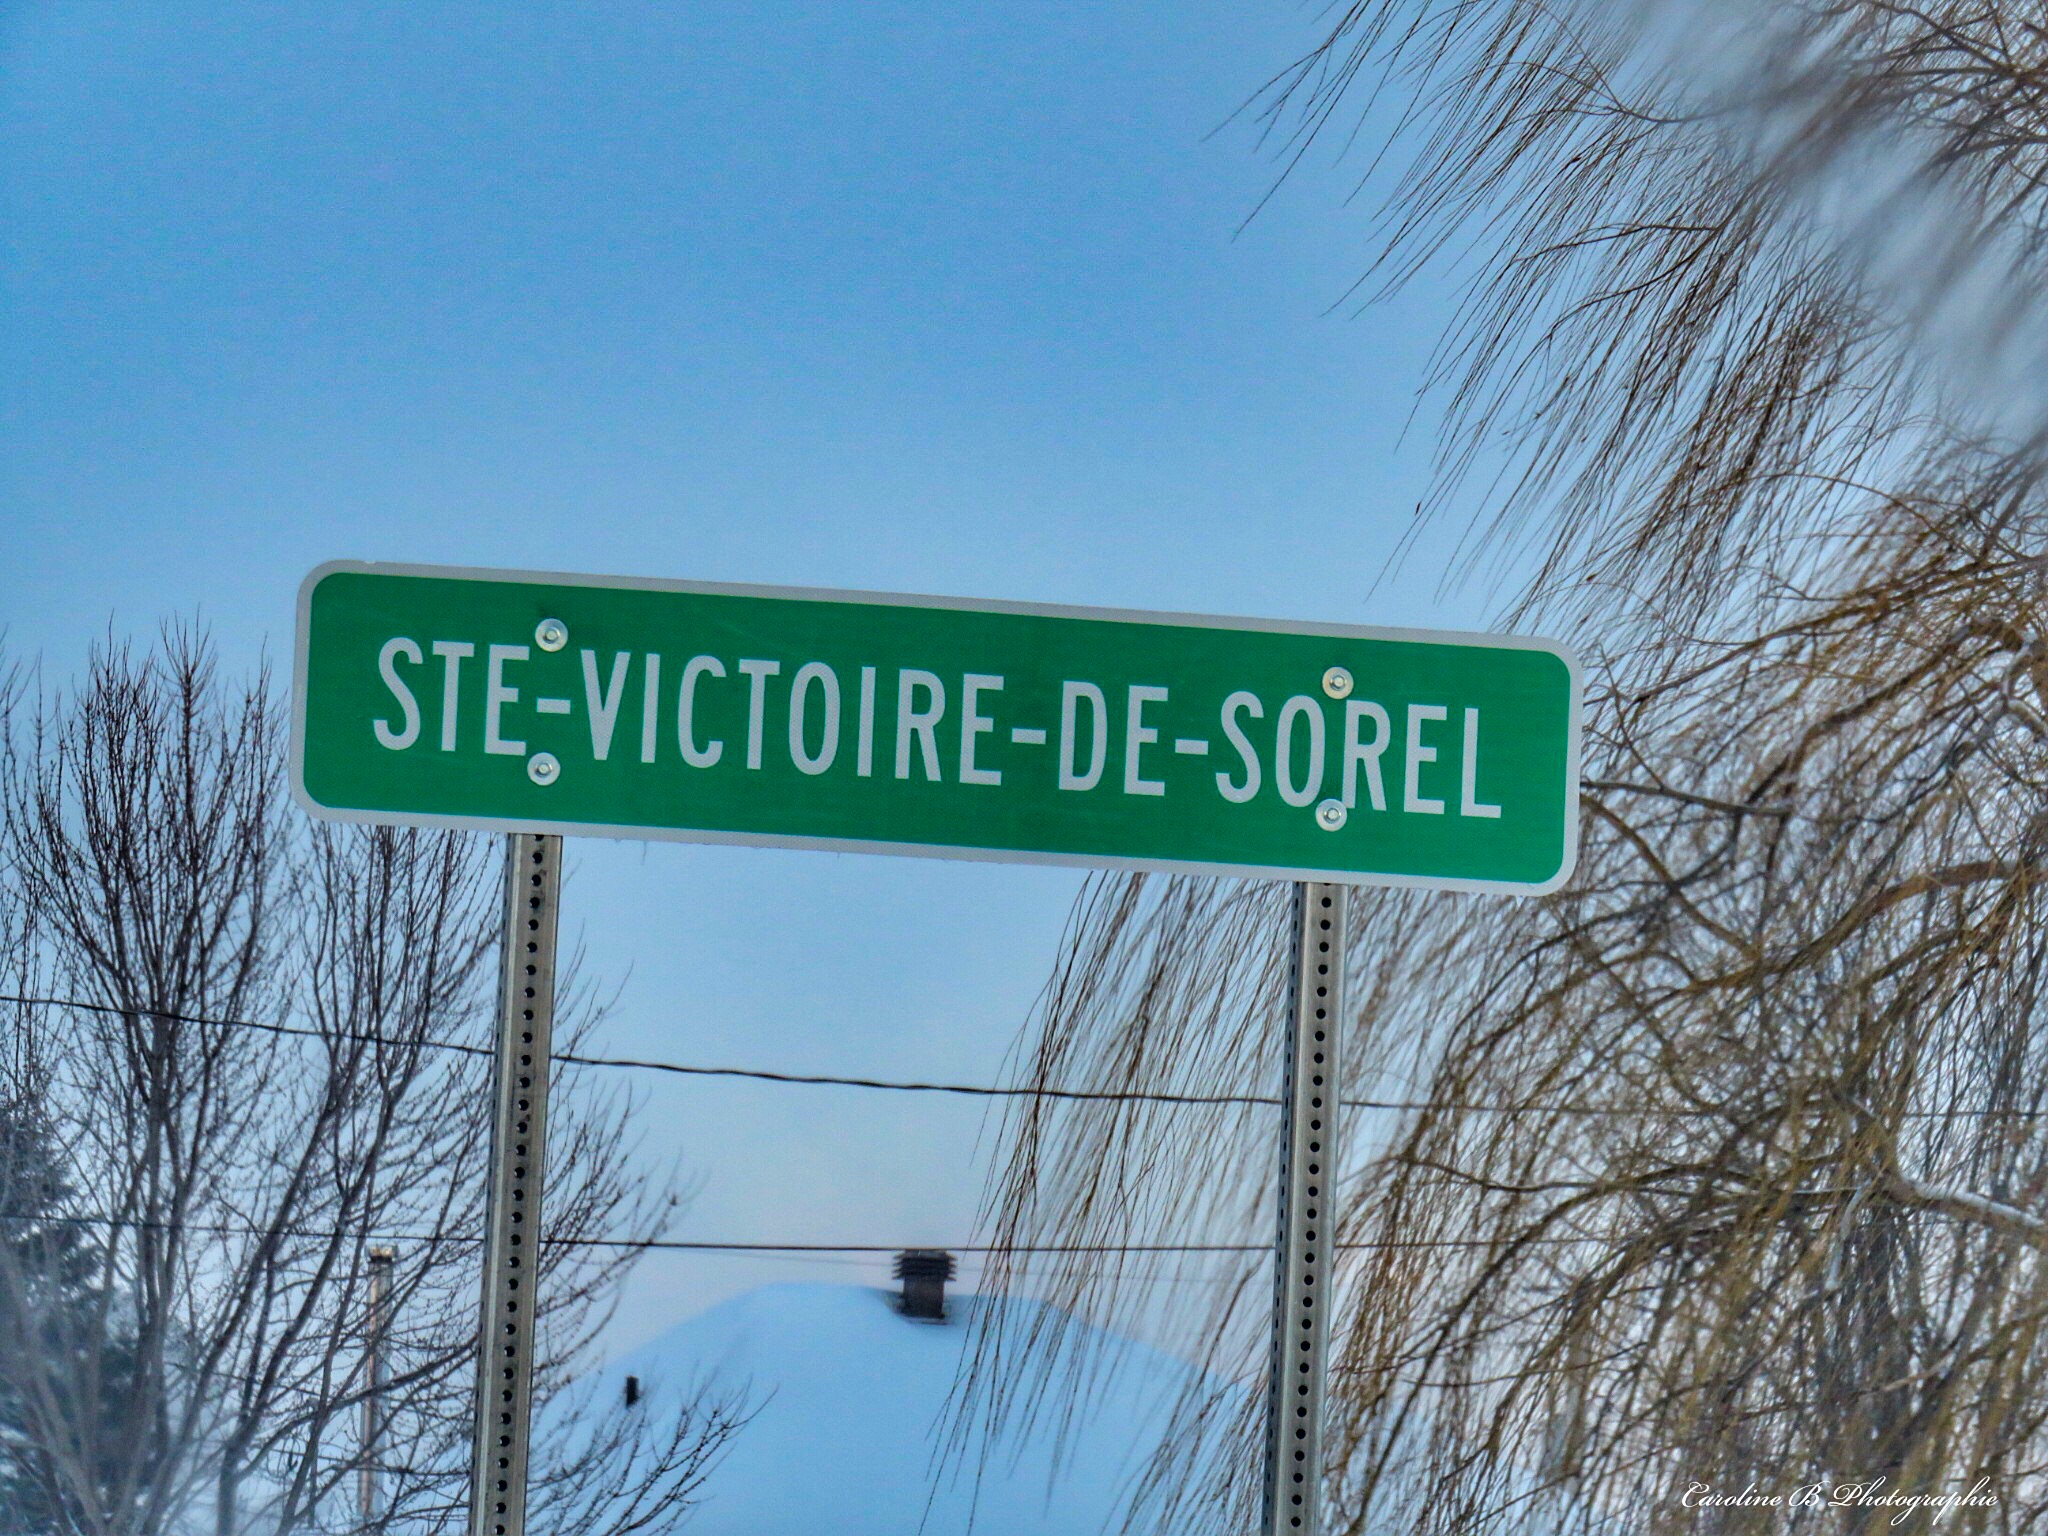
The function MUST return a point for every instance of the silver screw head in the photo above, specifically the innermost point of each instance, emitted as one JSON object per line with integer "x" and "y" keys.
{"x": 543, "y": 768}
{"x": 1337, "y": 683}
{"x": 1331, "y": 815}
{"x": 551, "y": 634}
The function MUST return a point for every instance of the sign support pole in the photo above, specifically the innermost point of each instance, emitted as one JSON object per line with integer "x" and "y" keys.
{"x": 1301, "y": 1303}
{"x": 519, "y": 1099}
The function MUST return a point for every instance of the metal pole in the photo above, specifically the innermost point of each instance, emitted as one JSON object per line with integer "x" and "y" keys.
{"x": 373, "y": 1377}
{"x": 519, "y": 1095}
{"x": 1301, "y": 1304}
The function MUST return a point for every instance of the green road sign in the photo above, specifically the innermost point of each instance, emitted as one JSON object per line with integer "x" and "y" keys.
{"x": 614, "y": 707}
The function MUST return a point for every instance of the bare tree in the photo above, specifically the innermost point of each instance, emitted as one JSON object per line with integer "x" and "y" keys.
{"x": 1730, "y": 1161}
{"x": 259, "y": 1047}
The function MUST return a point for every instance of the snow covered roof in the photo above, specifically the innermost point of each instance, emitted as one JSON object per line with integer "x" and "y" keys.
{"x": 844, "y": 1443}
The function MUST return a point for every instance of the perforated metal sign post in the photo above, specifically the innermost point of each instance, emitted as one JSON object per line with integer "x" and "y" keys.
{"x": 519, "y": 1126}
{"x": 1301, "y": 1278}
{"x": 548, "y": 705}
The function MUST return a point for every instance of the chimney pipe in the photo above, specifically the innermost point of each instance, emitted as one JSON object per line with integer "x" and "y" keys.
{"x": 924, "y": 1273}
{"x": 381, "y": 1260}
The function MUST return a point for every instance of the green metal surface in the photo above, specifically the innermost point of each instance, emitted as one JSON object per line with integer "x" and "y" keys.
{"x": 932, "y": 726}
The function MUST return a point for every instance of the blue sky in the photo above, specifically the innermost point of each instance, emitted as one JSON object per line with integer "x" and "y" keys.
{"x": 938, "y": 298}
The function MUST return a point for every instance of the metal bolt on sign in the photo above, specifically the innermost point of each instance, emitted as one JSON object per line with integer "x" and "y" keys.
{"x": 519, "y": 1099}
{"x": 1301, "y": 1330}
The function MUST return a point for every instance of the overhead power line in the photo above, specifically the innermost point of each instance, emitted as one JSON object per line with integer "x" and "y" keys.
{"x": 972, "y": 1090}
{"x": 674, "y": 1068}
{"x": 690, "y": 1245}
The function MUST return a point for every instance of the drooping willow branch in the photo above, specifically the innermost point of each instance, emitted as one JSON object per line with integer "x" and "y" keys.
{"x": 1737, "y": 1159}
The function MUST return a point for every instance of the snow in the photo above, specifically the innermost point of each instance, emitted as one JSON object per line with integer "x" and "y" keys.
{"x": 855, "y": 1395}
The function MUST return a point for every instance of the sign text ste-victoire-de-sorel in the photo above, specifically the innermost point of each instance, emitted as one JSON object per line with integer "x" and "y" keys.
{"x": 613, "y": 707}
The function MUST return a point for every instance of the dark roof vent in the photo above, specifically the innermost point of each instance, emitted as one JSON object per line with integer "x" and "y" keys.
{"x": 924, "y": 1273}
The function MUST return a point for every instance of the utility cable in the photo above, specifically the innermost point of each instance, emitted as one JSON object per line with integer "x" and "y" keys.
{"x": 687, "y": 1245}
{"x": 973, "y": 1090}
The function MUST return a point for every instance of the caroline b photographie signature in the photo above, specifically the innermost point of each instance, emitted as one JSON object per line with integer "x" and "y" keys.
{"x": 1872, "y": 1493}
